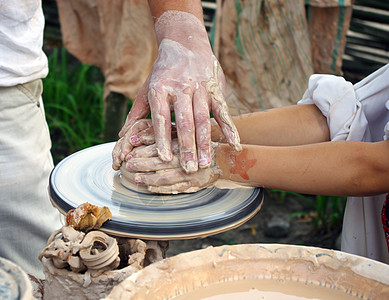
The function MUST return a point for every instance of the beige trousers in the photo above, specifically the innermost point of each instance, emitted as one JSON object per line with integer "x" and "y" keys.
{"x": 27, "y": 217}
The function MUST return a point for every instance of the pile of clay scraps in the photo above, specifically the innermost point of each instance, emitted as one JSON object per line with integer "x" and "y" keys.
{"x": 81, "y": 250}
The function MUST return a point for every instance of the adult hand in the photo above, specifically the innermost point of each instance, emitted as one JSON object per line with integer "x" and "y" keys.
{"x": 187, "y": 79}
{"x": 144, "y": 167}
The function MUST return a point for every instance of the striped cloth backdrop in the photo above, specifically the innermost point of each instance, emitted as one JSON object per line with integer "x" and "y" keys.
{"x": 265, "y": 50}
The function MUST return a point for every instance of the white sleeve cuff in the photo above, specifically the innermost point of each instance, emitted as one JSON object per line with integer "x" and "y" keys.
{"x": 336, "y": 99}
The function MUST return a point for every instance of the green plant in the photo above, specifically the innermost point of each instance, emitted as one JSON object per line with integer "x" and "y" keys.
{"x": 327, "y": 210}
{"x": 73, "y": 98}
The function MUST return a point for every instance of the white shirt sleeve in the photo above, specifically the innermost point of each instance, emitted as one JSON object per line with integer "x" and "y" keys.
{"x": 352, "y": 110}
{"x": 21, "y": 39}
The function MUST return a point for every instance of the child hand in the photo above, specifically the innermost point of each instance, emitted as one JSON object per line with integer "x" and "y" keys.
{"x": 146, "y": 168}
{"x": 140, "y": 133}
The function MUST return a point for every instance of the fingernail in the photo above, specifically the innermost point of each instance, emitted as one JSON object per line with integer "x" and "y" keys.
{"x": 204, "y": 160}
{"x": 128, "y": 166}
{"x": 203, "y": 163}
{"x": 189, "y": 162}
{"x": 134, "y": 140}
{"x": 138, "y": 179}
{"x": 191, "y": 167}
{"x": 129, "y": 156}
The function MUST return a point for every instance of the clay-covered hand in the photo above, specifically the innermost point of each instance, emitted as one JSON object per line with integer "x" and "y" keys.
{"x": 144, "y": 167}
{"x": 127, "y": 142}
{"x": 186, "y": 78}
{"x": 140, "y": 133}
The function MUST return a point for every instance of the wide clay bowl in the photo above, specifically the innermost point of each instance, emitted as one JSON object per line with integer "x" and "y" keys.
{"x": 14, "y": 282}
{"x": 259, "y": 271}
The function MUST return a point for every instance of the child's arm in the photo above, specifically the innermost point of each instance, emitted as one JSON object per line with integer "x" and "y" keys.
{"x": 284, "y": 126}
{"x": 330, "y": 168}
{"x": 316, "y": 167}
{"x": 336, "y": 168}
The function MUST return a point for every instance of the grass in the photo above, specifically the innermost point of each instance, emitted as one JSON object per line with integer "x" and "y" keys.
{"x": 326, "y": 211}
{"x": 73, "y": 99}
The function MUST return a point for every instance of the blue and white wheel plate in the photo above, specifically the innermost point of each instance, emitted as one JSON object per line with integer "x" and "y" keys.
{"x": 87, "y": 176}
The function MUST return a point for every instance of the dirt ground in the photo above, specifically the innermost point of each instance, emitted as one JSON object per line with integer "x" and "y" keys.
{"x": 301, "y": 230}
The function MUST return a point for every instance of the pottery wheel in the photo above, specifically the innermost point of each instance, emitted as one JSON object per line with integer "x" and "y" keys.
{"x": 87, "y": 176}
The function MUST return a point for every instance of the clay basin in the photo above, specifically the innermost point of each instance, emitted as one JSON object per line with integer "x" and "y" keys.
{"x": 14, "y": 282}
{"x": 273, "y": 271}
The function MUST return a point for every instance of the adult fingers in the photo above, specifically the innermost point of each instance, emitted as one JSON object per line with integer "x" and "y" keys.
{"x": 227, "y": 125}
{"x": 220, "y": 109}
{"x": 201, "y": 102}
{"x": 183, "y": 112}
{"x": 139, "y": 110}
{"x": 160, "y": 115}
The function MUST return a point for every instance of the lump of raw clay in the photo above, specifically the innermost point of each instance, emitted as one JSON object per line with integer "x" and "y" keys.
{"x": 87, "y": 217}
{"x": 88, "y": 266}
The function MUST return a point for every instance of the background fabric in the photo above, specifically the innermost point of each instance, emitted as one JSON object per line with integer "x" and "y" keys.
{"x": 117, "y": 36}
{"x": 264, "y": 46}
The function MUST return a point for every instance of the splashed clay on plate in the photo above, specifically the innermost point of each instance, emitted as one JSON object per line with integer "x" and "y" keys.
{"x": 283, "y": 269}
{"x": 88, "y": 266}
